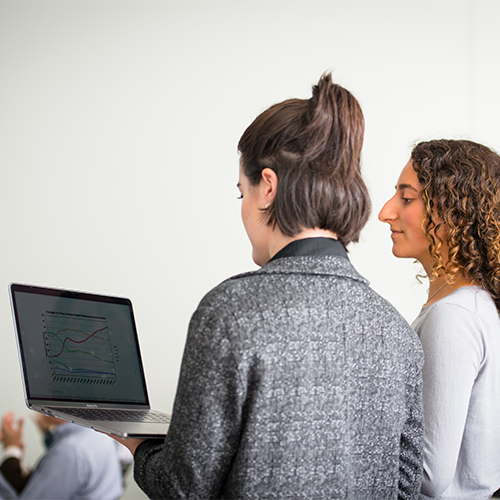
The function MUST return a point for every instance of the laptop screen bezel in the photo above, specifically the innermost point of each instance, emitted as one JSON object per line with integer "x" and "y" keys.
{"x": 80, "y": 295}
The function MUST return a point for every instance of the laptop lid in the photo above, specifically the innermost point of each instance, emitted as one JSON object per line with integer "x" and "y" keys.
{"x": 77, "y": 349}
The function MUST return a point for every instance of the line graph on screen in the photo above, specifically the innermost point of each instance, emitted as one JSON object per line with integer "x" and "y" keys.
{"x": 79, "y": 350}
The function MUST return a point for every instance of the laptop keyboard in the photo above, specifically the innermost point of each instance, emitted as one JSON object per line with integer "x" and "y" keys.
{"x": 117, "y": 415}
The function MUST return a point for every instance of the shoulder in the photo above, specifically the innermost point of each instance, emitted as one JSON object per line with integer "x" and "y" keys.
{"x": 288, "y": 279}
{"x": 466, "y": 306}
{"x": 330, "y": 285}
{"x": 76, "y": 440}
{"x": 463, "y": 320}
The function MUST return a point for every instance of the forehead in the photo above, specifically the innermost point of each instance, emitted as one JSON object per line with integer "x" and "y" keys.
{"x": 243, "y": 181}
{"x": 240, "y": 173}
{"x": 408, "y": 178}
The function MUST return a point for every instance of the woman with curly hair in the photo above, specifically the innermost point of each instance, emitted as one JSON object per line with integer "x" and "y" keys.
{"x": 446, "y": 214}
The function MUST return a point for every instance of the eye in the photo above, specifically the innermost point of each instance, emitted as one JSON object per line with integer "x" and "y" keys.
{"x": 407, "y": 200}
{"x": 240, "y": 197}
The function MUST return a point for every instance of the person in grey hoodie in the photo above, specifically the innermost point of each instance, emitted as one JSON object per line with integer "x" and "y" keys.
{"x": 298, "y": 380}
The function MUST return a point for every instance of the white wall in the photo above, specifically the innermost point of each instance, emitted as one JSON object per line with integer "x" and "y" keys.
{"x": 118, "y": 129}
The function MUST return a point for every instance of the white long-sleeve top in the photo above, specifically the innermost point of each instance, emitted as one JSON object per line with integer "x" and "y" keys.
{"x": 460, "y": 335}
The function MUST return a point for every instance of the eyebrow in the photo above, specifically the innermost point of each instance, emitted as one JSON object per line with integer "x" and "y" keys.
{"x": 406, "y": 186}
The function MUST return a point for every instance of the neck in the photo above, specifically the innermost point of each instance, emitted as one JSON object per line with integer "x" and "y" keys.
{"x": 280, "y": 241}
{"x": 441, "y": 287}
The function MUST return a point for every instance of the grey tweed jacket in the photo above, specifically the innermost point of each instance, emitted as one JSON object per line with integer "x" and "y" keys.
{"x": 298, "y": 381}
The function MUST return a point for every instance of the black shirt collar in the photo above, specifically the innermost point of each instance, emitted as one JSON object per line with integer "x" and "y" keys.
{"x": 312, "y": 247}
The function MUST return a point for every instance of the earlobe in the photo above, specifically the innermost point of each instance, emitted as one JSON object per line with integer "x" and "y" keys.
{"x": 270, "y": 180}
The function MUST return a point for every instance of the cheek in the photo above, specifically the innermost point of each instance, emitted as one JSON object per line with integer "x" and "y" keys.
{"x": 416, "y": 228}
{"x": 242, "y": 212}
{"x": 245, "y": 214}
{"x": 417, "y": 219}
{"x": 248, "y": 219}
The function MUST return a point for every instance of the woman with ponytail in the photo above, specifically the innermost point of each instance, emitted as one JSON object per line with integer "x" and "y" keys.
{"x": 298, "y": 381}
{"x": 446, "y": 214}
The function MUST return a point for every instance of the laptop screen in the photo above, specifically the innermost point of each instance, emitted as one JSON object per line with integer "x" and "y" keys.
{"x": 78, "y": 347}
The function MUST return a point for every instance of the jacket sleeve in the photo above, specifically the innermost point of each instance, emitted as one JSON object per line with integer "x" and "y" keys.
{"x": 14, "y": 474}
{"x": 412, "y": 436}
{"x": 204, "y": 431}
{"x": 7, "y": 492}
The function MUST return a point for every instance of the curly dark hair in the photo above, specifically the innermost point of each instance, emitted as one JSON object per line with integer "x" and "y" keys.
{"x": 461, "y": 194}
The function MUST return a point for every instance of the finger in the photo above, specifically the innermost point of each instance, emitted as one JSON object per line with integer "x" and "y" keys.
{"x": 9, "y": 416}
{"x": 8, "y": 419}
{"x": 8, "y": 426}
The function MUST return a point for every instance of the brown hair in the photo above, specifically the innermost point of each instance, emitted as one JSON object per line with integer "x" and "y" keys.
{"x": 314, "y": 147}
{"x": 461, "y": 194}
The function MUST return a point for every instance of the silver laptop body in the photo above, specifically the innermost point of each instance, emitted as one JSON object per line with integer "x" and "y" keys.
{"x": 80, "y": 360}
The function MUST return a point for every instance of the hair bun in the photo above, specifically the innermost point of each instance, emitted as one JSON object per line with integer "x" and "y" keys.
{"x": 314, "y": 146}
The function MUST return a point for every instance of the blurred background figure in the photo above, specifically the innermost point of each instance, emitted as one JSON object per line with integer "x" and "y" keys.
{"x": 78, "y": 462}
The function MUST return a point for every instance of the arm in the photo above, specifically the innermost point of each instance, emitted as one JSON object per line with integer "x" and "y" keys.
{"x": 204, "y": 432}
{"x": 58, "y": 475}
{"x": 6, "y": 489}
{"x": 13, "y": 471}
{"x": 451, "y": 339}
{"x": 12, "y": 441}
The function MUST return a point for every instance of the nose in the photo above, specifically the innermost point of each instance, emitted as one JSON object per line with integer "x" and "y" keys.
{"x": 388, "y": 213}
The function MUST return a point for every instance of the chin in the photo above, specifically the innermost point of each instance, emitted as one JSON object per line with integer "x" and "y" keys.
{"x": 259, "y": 262}
{"x": 258, "y": 259}
{"x": 399, "y": 254}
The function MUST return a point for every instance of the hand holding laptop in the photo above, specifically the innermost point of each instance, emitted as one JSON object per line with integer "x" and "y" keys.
{"x": 130, "y": 443}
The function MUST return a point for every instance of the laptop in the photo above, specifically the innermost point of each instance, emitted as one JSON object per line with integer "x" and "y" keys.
{"x": 80, "y": 360}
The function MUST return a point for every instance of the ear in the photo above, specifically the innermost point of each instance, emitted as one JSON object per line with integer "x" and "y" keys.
{"x": 270, "y": 184}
